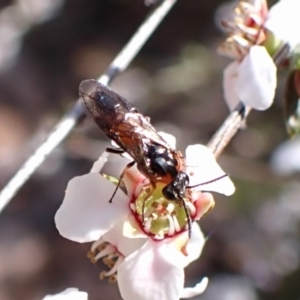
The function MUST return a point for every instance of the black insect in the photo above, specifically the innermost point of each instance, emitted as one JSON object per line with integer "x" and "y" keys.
{"x": 134, "y": 134}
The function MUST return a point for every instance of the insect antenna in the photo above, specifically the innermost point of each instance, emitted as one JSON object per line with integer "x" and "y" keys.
{"x": 120, "y": 180}
{"x": 189, "y": 221}
{"x": 207, "y": 182}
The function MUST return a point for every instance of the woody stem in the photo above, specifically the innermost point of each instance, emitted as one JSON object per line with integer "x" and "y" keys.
{"x": 236, "y": 119}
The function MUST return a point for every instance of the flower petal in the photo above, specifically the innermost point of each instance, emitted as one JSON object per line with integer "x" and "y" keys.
{"x": 125, "y": 245}
{"x": 261, "y": 6}
{"x": 203, "y": 202}
{"x": 230, "y": 76}
{"x": 68, "y": 294}
{"x": 86, "y": 213}
{"x": 198, "y": 289}
{"x": 256, "y": 81}
{"x": 125, "y": 154}
{"x": 131, "y": 228}
{"x": 133, "y": 180}
{"x": 284, "y": 22}
{"x": 99, "y": 163}
{"x": 202, "y": 167}
{"x": 154, "y": 272}
{"x": 195, "y": 245}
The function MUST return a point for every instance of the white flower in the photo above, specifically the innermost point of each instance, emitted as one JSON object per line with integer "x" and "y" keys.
{"x": 202, "y": 167}
{"x": 156, "y": 271}
{"x": 68, "y": 294}
{"x": 142, "y": 236}
{"x": 252, "y": 81}
{"x": 251, "y": 78}
{"x": 245, "y": 30}
{"x": 284, "y": 22}
{"x": 286, "y": 158}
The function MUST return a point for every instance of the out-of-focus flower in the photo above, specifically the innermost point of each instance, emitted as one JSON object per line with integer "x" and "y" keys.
{"x": 251, "y": 78}
{"x": 246, "y": 29}
{"x": 142, "y": 236}
{"x": 284, "y": 22}
{"x": 286, "y": 158}
{"x": 68, "y": 294}
{"x": 16, "y": 19}
{"x": 251, "y": 81}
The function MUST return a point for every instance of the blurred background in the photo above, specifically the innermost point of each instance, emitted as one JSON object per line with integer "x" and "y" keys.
{"x": 46, "y": 48}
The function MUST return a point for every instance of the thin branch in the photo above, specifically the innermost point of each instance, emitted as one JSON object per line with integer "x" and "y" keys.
{"x": 76, "y": 113}
{"x": 228, "y": 129}
{"x": 237, "y": 117}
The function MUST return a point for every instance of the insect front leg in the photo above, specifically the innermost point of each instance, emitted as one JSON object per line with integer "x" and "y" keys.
{"x": 120, "y": 180}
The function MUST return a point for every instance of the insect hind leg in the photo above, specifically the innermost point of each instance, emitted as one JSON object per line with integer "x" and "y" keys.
{"x": 120, "y": 180}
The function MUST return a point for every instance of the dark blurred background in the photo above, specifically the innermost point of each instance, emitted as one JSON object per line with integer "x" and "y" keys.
{"x": 46, "y": 48}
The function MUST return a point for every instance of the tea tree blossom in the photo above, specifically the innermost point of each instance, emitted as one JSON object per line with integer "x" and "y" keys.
{"x": 68, "y": 294}
{"x": 251, "y": 78}
{"x": 251, "y": 81}
{"x": 254, "y": 36}
{"x": 156, "y": 271}
{"x": 246, "y": 29}
{"x": 141, "y": 236}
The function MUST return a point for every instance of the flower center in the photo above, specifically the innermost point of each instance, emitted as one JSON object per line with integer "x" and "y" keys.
{"x": 246, "y": 29}
{"x": 109, "y": 256}
{"x": 159, "y": 217}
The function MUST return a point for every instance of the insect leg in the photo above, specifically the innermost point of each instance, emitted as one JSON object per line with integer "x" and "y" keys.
{"x": 114, "y": 150}
{"x": 120, "y": 180}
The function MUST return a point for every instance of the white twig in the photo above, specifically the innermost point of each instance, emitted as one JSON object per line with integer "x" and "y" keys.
{"x": 76, "y": 113}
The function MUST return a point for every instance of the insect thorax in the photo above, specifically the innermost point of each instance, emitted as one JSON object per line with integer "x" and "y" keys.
{"x": 161, "y": 161}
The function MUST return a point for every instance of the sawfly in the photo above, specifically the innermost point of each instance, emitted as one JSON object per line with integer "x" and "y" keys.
{"x": 134, "y": 134}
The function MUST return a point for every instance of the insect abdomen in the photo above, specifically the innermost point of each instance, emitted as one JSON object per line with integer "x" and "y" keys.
{"x": 105, "y": 106}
